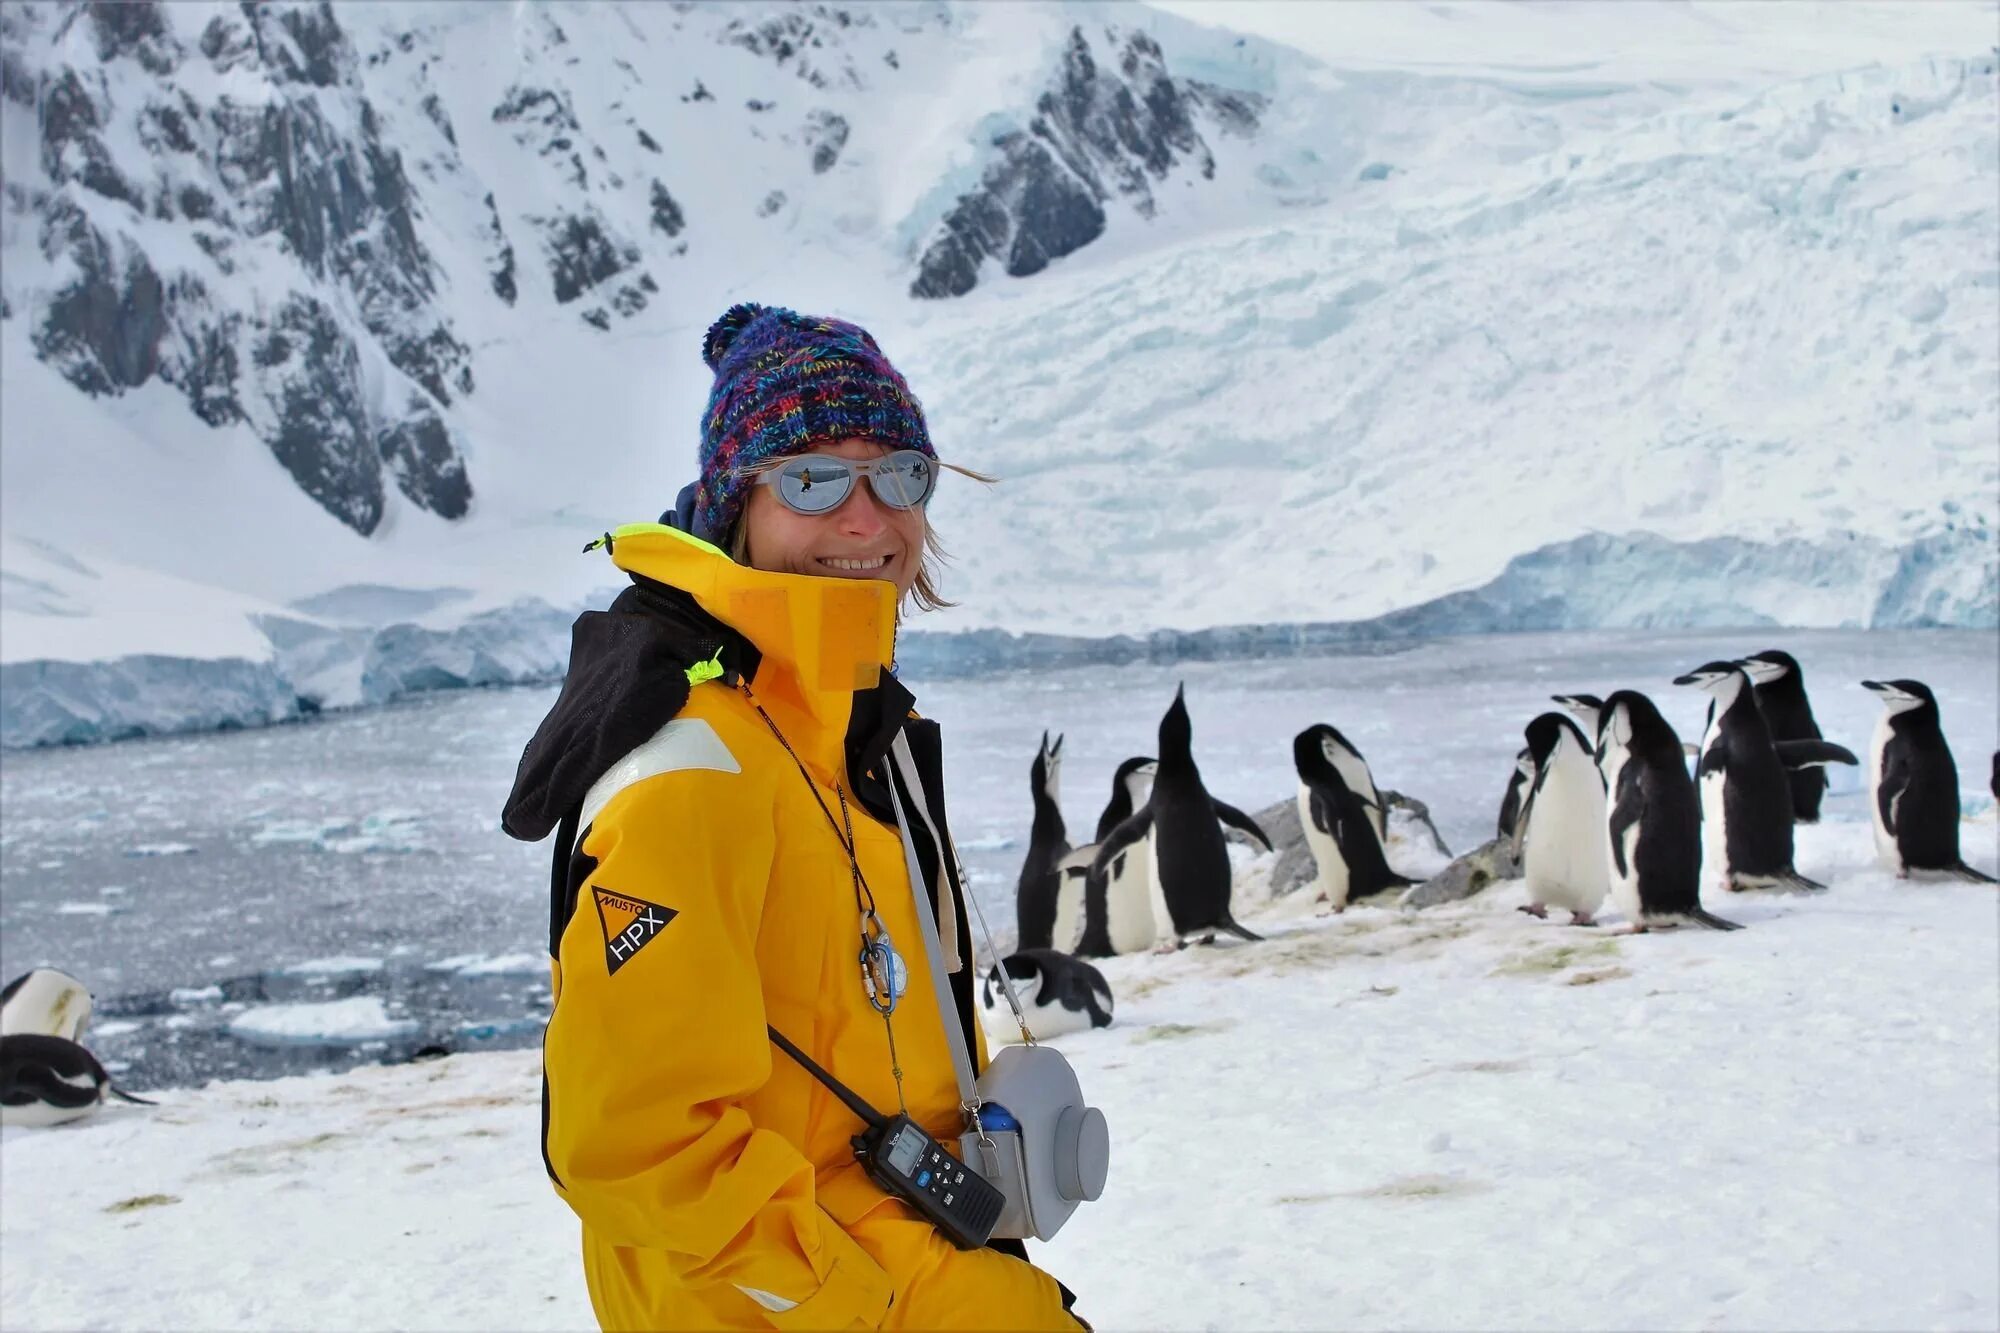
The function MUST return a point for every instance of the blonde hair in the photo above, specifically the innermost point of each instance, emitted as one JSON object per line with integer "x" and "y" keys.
{"x": 924, "y": 592}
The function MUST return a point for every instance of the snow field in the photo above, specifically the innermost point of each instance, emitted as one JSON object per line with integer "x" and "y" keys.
{"x": 1463, "y": 1118}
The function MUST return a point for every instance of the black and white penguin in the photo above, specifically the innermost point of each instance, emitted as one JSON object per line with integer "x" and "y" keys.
{"x": 47, "y": 1080}
{"x": 1995, "y": 782}
{"x": 1746, "y": 799}
{"x": 1058, "y": 994}
{"x": 1913, "y": 785}
{"x": 1781, "y": 695}
{"x": 45, "y": 1002}
{"x": 1517, "y": 787}
{"x": 1337, "y": 823}
{"x": 1190, "y": 854}
{"x": 1354, "y": 771}
{"x": 1564, "y": 855}
{"x": 1587, "y": 709}
{"x": 1036, "y": 892}
{"x": 1099, "y": 916}
{"x": 1654, "y": 819}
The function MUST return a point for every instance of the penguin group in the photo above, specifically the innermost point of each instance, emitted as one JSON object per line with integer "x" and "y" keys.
{"x": 47, "y": 1075}
{"x": 1601, "y": 804}
{"x": 1644, "y": 829}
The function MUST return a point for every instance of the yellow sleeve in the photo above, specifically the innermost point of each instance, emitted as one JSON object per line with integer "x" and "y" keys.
{"x": 648, "y": 1064}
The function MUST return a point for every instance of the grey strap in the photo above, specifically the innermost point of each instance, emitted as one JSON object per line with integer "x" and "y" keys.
{"x": 954, "y": 1031}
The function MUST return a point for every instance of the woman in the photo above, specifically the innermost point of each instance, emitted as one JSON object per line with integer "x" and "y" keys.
{"x": 717, "y": 761}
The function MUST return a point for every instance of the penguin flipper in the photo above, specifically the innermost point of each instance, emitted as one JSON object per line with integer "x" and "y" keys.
{"x": 1813, "y": 754}
{"x": 125, "y": 1096}
{"x": 1889, "y": 792}
{"x": 1127, "y": 833}
{"x": 1229, "y": 814}
{"x": 1703, "y": 917}
{"x": 1322, "y": 817}
{"x": 1629, "y": 809}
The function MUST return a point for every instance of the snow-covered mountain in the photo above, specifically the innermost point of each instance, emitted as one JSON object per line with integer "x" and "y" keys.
{"x": 320, "y": 321}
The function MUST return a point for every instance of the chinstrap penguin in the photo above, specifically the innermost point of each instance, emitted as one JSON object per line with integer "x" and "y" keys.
{"x": 1781, "y": 696}
{"x": 1746, "y": 799}
{"x": 1191, "y": 868}
{"x": 1058, "y": 993}
{"x": 1338, "y": 824}
{"x": 1114, "y": 913}
{"x": 1653, "y": 822}
{"x": 48, "y": 1080}
{"x": 1913, "y": 785}
{"x": 1517, "y": 787}
{"x": 1036, "y": 892}
{"x": 1565, "y": 857}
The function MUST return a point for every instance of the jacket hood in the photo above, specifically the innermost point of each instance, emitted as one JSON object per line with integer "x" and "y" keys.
{"x": 814, "y": 649}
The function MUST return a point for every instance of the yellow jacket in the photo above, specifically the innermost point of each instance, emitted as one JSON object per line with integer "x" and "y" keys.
{"x": 707, "y": 896}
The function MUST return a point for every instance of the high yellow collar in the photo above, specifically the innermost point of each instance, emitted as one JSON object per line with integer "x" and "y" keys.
{"x": 820, "y": 639}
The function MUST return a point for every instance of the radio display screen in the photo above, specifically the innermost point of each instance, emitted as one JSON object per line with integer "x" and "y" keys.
{"x": 907, "y": 1150}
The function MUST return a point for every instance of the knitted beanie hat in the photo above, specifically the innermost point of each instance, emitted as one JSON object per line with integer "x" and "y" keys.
{"x": 785, "y": 382}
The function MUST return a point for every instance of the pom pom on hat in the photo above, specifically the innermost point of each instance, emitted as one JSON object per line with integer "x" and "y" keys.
{"x": 722, "y": 334}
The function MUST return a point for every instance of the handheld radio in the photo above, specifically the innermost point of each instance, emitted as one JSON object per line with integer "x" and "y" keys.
{"x": 912, "y": 1166}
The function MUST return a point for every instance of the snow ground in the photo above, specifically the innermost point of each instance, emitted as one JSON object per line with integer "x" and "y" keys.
{"x": 1459, "y": 1119}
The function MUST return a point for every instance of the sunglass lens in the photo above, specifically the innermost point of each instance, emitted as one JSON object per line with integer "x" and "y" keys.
{"x": 904, "y": 480}
{"x": 813, "y": 486}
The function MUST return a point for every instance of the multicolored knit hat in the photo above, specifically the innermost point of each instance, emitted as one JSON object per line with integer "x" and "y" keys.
{"x": 785, "y": 382}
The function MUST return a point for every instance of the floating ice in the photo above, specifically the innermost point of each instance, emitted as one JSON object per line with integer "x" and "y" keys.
{"x": 346, "y": 1022}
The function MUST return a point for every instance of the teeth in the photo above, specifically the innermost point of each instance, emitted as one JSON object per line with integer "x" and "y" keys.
{"x": 857, "y": 565}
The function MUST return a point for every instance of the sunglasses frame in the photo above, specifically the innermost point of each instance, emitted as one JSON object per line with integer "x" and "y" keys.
{"x": 864, "y": 467}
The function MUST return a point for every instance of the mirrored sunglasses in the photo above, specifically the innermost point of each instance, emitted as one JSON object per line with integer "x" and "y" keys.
{"x": 819, "y": 483}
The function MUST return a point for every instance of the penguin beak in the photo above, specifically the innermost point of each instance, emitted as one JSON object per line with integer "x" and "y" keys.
{"x": 1876, "y": 686}
{"x": 1694, "y": 678}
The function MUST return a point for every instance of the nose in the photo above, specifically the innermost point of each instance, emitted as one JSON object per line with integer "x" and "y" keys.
{"x": 863, "y": 516}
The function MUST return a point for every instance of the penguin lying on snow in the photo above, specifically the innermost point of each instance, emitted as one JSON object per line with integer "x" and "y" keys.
{"x": 47, "y": 1080}
{"x": 1654, "y": 823}
{"x": 1190, "y": 856}
{"x": 1036, "y": 893}
{"x": 1058, "y": 994}
{"x": 1913, "y": 785}
{"x": 1342, "y": 825}
{"x": 45, "y": 1001}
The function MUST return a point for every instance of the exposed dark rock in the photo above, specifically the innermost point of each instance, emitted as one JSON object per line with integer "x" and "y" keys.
{"x": 427, "y": 466}
{"x": 226, "y": 43}
{"x": 499, "y": 254}
{"x": 301, "y": 45}
{"x": 135, "y": 28}
{"x": 597, "y": 318}
{"x": 1100, "y": 133}
{"x": 630, "y": 300}
{"x": 1027, "y": 210}
{"x": 581, "y": 255}
{"x": 666, "y": 213}
{"x": 102, "y": 331}
{"x": 827, "y": 133}
{"x": 771, "y": 203}
{"x": 700, "y": 94}
{"x": 320, "y": 435}
{"x": 196, "y": 204}
{"x": 545, "y": 123}
{"x": 758, "y": 104}
{"x": 198, "y": 352}
{"x": 164, "y": 127}
{"x": 647, "y": 142}
{"x": 71, "y": 148}
{"x": 438, "y": 116}
{"x": 792, "y": 39}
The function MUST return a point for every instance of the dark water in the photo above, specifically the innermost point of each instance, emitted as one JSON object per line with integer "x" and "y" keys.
{"x": 187, "y": 880}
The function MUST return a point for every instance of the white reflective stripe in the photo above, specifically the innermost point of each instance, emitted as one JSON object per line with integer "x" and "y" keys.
{"x": 775, "y": 1304}
{"x": 685, "y": 742}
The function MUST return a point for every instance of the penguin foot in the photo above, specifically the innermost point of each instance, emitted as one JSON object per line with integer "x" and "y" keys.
{"x": 1582, "y": 919}
{"x": 1535, "y": 910}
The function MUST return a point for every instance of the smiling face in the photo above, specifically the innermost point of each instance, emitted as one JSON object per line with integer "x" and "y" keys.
{"x": 860, "y": 539}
